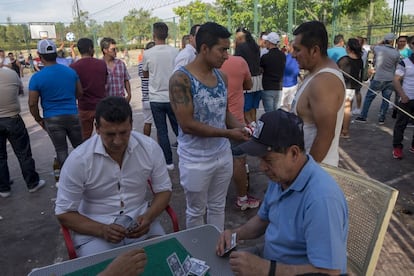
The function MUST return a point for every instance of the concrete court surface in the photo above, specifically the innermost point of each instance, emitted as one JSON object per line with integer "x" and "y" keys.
{"x": 30, "y": 236}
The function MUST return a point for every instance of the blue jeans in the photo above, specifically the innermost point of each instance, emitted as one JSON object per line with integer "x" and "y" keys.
{"x": 60, "y": 127}
{"x": 386, "y": 88}
{"x": 14, "y": 130}
{"x": 271, "y": 99}
{"x": 160, "y": 111}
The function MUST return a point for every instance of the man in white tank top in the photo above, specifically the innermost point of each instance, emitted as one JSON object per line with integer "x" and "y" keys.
{"x": 319, "y": 101}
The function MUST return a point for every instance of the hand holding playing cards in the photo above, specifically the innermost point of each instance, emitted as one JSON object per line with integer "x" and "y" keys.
{"x": 131, "y": 263}
{"x": 226, "y": 242}
{"x": 142, "y": 227}
{"x": 113, "y": 233}
{"x": 247, "y": 264}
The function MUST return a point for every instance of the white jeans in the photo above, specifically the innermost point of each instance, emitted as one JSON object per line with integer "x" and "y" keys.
{"x": 97, "y": 245}
{"x": 205, "y": 187}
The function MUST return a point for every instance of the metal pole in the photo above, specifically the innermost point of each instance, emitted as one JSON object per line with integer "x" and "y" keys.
{"x": 229, "y": 27}
{"x": 290, "y": 19}
{"x": 255, "y": 17}
{"x": 334, "y": 19}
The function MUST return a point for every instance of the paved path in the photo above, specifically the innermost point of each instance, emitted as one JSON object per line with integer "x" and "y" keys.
{"x": 30, "y": 237}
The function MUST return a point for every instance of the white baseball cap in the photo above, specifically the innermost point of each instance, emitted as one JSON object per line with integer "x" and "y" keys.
{"x": 46, "y": 46}
{"x": 272, "y": 38}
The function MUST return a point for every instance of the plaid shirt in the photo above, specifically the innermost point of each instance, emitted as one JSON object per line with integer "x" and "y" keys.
{"x": 116, "y": 79}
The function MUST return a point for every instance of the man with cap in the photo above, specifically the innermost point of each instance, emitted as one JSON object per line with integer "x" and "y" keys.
{"x": 58, "y": 87}
{"x": 304, "y": 215}
{"x": 273, "y": 65}
{"x": 386, "y": 58}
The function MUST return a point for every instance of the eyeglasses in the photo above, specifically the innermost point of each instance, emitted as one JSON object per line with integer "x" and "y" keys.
{"x": 113, "y": 49}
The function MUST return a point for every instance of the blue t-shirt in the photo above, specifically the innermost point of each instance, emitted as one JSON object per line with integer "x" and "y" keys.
{"x": 335, "y": 53}
{"x": 290, "y": 77}
{"x": 308, "y": 222}
{"x": 56, "y": 85}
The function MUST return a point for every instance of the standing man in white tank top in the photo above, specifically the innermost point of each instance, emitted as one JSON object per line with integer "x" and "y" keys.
{"x": 319, "y": 101}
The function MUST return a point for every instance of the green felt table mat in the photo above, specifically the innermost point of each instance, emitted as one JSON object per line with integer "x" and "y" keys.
{"x": 156, "y": 255}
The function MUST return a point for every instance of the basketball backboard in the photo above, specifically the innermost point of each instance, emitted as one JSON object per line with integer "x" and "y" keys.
{"x": 42, "y": 31}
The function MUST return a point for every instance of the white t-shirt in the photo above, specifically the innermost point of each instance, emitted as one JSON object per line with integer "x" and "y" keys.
{"x": 407, "y": 72}
{"x": 159, "y": 62}
{"x": 89, "y": 180}
{"x": 186, "y": 55}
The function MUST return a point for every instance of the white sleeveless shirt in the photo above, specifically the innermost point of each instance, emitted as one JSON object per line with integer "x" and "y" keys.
{"x": 309, "y": 129}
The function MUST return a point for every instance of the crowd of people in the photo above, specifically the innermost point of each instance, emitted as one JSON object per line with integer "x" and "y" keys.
{"x": 210, "y": 99}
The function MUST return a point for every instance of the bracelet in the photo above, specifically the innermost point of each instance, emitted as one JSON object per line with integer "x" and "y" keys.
{"x": 272, "y": 269}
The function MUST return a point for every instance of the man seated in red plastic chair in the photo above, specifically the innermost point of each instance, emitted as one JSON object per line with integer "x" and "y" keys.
{"x": 103, "y": 184}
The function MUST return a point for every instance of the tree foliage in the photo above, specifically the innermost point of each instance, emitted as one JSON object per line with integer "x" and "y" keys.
{"x": 351, "y": 18}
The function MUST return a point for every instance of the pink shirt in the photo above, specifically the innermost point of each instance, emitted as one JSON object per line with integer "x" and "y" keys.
{"x": 116, "y": 79}
{"x": 237, "y": 71}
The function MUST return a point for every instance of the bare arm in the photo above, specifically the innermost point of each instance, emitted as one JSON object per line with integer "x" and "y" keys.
{"x": 128, "y": 90}
{"x": 79, "y": 89}
{"x": 247, "y": 83}
{"x": 182, "y": 105}
{"x": 34, "y": 107}
{"x": 396, "y": 82}
{"x": 325, "y": 99}
{"x": 158, "y": 205}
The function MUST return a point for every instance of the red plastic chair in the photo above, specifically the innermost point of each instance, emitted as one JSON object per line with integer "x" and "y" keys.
{"x": 68, "y": 239}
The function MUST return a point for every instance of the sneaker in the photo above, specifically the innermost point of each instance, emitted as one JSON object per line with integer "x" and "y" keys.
{"x": 170, "y": 167}
{"x": 360, "y": 119}
{"x": 381, "y": 121}
{"x": 250, "y": 202}
{"x": 397, "y": 153}
{"x": 39, "y": 186}
{"x": 5, "y": 194}
{"x": 356, "y": 111}
{"x": 411, "y": 150}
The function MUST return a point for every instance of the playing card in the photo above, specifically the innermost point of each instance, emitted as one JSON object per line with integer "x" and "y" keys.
{"x": 195, "y": 260}
{"x": 127, "y": 222}
{"x": 123, "y": 220}
{"x": 233, "y": 243}
{"x": 187, "y": 265}
{"x": 199, "y": 269}
{"x": 175, "y": 265}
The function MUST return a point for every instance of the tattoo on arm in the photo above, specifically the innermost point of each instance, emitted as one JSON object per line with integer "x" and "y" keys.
{"x": 180, "y": 90}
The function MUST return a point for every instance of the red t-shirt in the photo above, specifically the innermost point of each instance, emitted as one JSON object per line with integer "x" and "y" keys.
{"x": 92, "y": 73}
{"x": 237, "y": 71}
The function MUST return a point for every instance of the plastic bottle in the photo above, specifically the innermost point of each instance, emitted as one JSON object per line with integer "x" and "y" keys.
{"x": 248, "y": 176}
{"x": 56, "y": 169}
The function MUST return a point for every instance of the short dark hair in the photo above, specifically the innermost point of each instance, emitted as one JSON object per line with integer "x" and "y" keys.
{"x": 209, "y": 34}
{"x": 160, "y": 30}
{"x": 49, "y": 57}
{"x": 193, "y": 29}
{"x": 106, "y": 41}
{"x": 355, "y": 46}
{"x": 113, "y": 109}
{"x": 403, "y": 36}
{"x": 85, "y": 45}
{"x": 338, "y": 38}
{"x": 313, "y": 34}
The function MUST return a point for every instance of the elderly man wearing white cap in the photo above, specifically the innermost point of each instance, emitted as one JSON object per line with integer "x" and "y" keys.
{"x": 273, "y": 65}
{"x": 386, "y": 58}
